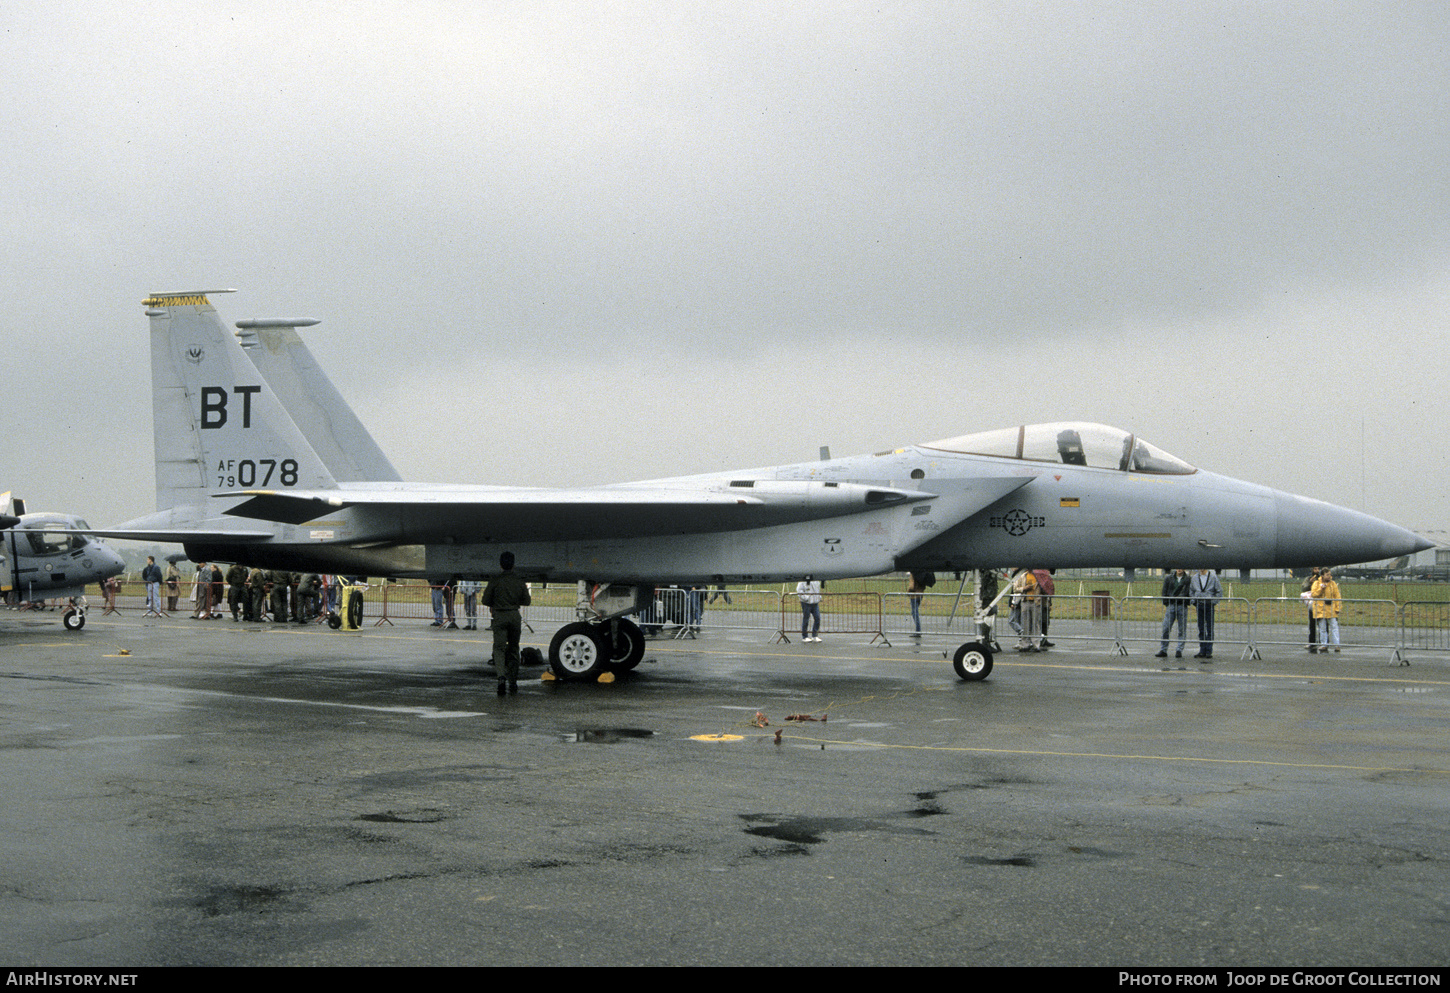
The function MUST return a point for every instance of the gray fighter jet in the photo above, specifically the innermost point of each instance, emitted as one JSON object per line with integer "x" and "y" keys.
{"x": 239, "y": 478}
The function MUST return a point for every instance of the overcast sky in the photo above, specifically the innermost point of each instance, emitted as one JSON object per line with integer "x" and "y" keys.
{"x": 580, "y": 243}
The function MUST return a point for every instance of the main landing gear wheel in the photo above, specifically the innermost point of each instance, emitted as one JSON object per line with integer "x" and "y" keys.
{"x": 973, "y": 661}
{"x": 73, "y": 619}
{"x": 623, "y": 643}
{"x": 578, "y": 651}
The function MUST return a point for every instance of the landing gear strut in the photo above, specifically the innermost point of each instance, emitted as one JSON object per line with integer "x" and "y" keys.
{"x": 73, "y": 617}
{"x": 624, "y": 643}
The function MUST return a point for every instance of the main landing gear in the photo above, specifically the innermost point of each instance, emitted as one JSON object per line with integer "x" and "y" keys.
{"x": 973, "y": 661}
{"x": 584, "y": 650}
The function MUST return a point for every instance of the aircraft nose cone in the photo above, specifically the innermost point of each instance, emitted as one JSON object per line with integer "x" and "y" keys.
{"x": 111, "y": 561}
{"x": 1312, "y": 532}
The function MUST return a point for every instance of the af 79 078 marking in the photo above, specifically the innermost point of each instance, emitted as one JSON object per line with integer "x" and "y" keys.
{"x": 243, "y": 472}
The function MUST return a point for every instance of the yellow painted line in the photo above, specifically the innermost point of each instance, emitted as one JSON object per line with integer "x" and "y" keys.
{"x": 999, "y": 663}
{"x": 1219, "y": 672}
{"x": 1112, "y": 755}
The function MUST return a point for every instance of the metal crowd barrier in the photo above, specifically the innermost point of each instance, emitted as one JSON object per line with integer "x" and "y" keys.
{"x": 1140, "y": 619}
{"x": 552, "y": 603}
{"x": 744, "y": 610}
{"x": 1414, "y": 626}
{"x": 412, "y": 601}
{"x": 1424, "y": 627}
{"x": 841, "y": 613}
{"x": 389, "y": 602}
{"x": 1281, "y": 621}
{"x": 935, "y": 613}
{"x": 1072, "y": 618}
{"x": 674, "y": 611}
{"x": 132, "y": 597}
{"x": 1362, "y": 624}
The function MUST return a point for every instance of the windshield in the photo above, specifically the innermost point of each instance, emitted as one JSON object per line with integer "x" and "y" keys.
{"x": 49, "y": 542}
{"x": 43, "y": 542}
{"x": 1096, "y": 446}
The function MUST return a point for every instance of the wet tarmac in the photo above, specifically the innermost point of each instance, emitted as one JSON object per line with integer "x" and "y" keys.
{"x": 184, "y": 792}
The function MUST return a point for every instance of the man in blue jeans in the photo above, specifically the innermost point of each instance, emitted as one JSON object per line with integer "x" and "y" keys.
{"x": 809, "y": 590}
{"x": 1205, "y": 591}
{"x": 151, "y": 576}
{"x": 1175, "y": 608}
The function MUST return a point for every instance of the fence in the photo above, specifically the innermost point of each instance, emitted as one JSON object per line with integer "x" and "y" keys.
{"x": 1425, "y": 627}
{"x": 1362, "y": 624}
{"x": 1085, "y": 621}
{"x": 1140, "y": 619}
{"x": 131, "y": 598}
{"x": 936, "y": 614}
{"x": 841, "y": 613}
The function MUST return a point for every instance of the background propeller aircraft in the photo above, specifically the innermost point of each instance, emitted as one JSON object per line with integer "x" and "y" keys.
{"x": 46, "y": 557}
{"x": 259, "y": 459}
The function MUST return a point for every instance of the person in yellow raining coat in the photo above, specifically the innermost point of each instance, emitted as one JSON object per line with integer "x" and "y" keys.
{"x": 1327, "y": 604}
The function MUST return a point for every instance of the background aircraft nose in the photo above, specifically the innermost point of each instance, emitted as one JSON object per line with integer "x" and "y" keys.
{"x": 111, "y": 562}
{"x": 1312, "y": 532}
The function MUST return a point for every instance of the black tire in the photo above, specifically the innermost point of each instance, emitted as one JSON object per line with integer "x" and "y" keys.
{"x": 355, "y": 608}
{"x": 333, "y": 621}
{"x": 624, "y": 643}
{"x": 973, "y": 661}
{"x": 578, "y": 651}
{"x": 73, "y": 619}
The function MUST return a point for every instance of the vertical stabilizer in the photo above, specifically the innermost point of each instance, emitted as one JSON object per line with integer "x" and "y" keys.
{"x": 318, "y": 410}
{"x": 218, "y": 424}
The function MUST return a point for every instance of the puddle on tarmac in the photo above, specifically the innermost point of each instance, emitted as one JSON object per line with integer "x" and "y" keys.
{"x": 1026, "y": 861}
{"x": 606, "y": 736}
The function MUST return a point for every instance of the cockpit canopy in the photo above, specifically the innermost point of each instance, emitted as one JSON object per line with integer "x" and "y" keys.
{"x": 43, "y": 542}
{"x": 1096, "y": 446}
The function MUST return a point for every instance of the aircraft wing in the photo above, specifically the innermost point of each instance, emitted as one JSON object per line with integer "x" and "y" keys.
{"x": 179, "y": 537}
{"x": 589, "y": 513}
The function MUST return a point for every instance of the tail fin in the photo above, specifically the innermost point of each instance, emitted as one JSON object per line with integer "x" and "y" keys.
{"x": 318, "y": 410}
{"x": 218, "y": 424}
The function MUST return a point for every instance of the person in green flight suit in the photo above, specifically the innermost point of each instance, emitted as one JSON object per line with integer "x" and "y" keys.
{"x": 505, "y": 595}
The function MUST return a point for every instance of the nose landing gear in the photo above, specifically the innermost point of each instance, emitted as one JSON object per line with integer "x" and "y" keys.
{"x": 973, "y": 661}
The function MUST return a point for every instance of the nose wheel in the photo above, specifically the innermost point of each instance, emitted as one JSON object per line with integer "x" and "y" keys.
{"x": 973, "y": 661}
